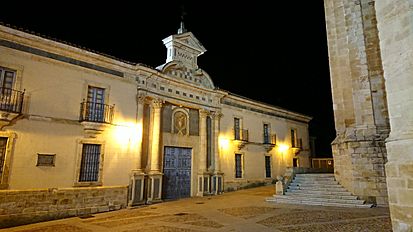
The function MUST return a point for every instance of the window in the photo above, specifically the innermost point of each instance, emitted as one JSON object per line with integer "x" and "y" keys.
{"x": 90, "y": 163}
{"x": 295, "y": 162}
{"x": 267, "y": 166}
{"x": 237, "y": 132}
{"x": 7, "y": 77}
{"x": 3, "y": 145}
{"x": 293, "y": 137}
{"x": 96, "y": 104}
{"x": 238, "y": 166}
{"x": 266, "y": 133}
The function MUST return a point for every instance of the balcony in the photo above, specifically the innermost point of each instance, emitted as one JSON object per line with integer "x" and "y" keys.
{"x": 241, "y": 137}
{"x": 297, "y": 146}
{"x": 269, "y": 142}
{"x": 95, "y": 116}
{"x": 11, "y": 105}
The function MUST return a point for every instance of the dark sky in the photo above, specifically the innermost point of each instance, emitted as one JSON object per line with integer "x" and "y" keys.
{"x": 274, "y": 52}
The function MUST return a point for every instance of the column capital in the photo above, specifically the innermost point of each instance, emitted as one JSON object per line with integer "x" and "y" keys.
{"x": 203, "y": 113}
{"x": 157, "y": 103}
{"x": 216, "y": 114}
{"x": 141, "y": 97}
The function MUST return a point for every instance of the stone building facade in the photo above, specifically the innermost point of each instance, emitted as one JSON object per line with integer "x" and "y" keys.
{"x": 370, "y": 47}
{"x": 82, "y": 132}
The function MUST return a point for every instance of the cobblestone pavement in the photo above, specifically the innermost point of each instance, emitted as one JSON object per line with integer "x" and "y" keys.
{"x": 244, "y": 210}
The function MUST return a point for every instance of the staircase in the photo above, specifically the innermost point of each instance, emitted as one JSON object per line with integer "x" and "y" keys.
{"x": 318, "y": 189}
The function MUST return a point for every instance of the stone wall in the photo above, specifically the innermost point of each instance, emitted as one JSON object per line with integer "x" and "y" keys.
{"x": 19, "y": 207}
{"x": 244, "y": 184}
{"x": 395, "y": 24}
{"x": 359, "y": 98}
{"x": 359, "y": 167}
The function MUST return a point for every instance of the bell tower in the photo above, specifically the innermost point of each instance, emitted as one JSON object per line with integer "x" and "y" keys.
{"x": 183, "y": 47}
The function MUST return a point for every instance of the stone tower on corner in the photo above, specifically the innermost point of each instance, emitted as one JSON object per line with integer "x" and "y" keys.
{"x": 371, "y": 62}
{"x": 359, "y": 98}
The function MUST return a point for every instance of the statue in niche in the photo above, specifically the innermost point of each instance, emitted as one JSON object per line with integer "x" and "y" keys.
{"x": 180, "y": 123}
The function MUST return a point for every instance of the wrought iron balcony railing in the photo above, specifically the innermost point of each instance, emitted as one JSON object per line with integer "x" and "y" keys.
{"x": 11, "y": 100}
{"x": 96, "y": 112}
{"x": 241, "y": 135}
{"x": 298, "y": 144}
{"x": 270, "y": 139}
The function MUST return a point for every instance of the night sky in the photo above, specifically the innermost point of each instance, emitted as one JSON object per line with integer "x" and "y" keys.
{"x": 270, "y": 51}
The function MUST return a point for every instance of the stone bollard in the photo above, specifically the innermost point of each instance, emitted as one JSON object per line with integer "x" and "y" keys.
{"x": 279, "y": 186}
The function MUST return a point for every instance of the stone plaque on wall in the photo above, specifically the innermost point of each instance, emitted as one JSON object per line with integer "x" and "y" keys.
{"x": 45, "y": 159}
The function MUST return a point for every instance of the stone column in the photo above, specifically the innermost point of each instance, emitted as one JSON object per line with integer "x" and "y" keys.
{"x": 203, "y": 177}
{"x": 136, "y": 185}
{"x": 154, "y": 175}
{"x": 156, "y": 135}
{"x": 217, "y": 181}
{"x": 395, "y": 23}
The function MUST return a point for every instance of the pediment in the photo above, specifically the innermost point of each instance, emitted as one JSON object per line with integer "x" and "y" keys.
{"x": 189, "y": 39}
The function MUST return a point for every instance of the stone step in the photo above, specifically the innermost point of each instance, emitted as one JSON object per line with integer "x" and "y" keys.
{"x": 319, "y": 192}
{"x": 289, "y": 201}
{"x": 314, "y": 180}
{"x": 334, "y": 185}
{"x": 346, "y": 197}
{"x": 315, "y": 175}
{"x": 319, "y": 199}
{"x": 318, "y": 189}
{"x": 332, "y": 189}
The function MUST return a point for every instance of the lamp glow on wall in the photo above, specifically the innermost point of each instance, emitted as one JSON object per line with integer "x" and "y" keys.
{"x": 223, "y": 143}
{"x": 282, "y": 148}
{"x": 128, "y": 133}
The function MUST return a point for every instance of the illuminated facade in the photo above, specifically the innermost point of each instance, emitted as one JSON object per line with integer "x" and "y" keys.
{"x": 72, "y": 118}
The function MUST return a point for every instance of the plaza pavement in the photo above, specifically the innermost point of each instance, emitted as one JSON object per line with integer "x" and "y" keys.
{"x": 244, "y": 210}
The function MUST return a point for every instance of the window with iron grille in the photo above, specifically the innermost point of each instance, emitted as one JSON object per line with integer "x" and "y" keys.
{"x": 89, "y": 167}
{"x": 268, "y": 166}
{"x": 3, "y": 145}
{"x": 238, "y": 166}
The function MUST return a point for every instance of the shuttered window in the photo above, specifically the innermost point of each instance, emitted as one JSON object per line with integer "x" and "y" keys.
{"x": 266, "y": 134}
{"x": 237, "y": 133}
{"x": 89, "y": 168}
{"x": 96, "y": 103}
{"x": 6, "y": 80}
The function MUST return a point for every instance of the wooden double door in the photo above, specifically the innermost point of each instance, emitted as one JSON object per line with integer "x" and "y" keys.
{"x": 177, "y": 172}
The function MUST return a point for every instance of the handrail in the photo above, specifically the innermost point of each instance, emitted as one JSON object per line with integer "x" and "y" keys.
{"x": 96, "y": 112}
